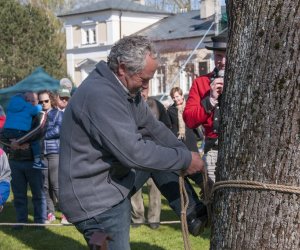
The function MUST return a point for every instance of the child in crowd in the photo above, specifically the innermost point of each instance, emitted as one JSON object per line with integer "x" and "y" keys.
{"x": 18, "y": 123}
{"x": 4, "y": 179}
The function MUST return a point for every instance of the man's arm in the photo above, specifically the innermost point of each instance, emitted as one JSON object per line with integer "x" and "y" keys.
{"x": 195, "y": 112}
{"x": 116, "y": 129}
{"x": 37, "y": 132}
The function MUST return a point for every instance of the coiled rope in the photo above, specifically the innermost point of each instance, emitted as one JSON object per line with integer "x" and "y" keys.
{"x": 184, "y": 200}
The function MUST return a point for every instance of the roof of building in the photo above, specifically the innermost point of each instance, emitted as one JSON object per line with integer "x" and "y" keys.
{"x": 86, "y": 61}
{"x": 102, "y": 5}
{"x": 179, "y": 26}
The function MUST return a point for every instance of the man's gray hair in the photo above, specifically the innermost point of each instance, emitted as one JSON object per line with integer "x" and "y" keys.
{"x": 131, "y": 51}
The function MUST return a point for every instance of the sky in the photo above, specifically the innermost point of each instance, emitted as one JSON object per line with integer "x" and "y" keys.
{"x": 222, "y": 2}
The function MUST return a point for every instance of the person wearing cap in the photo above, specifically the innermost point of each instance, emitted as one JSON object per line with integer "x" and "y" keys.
{"x": 52, "y": 138}
{"x": 63, "y": 96}
{"x": 202, "y": 107}
{"x": 66, "y": 83}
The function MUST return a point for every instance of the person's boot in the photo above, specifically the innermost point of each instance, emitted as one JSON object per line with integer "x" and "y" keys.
{"x": 196, "y": 220}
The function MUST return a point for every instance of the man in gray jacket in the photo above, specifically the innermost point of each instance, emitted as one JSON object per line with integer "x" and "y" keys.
{"x": 111, "y": 144}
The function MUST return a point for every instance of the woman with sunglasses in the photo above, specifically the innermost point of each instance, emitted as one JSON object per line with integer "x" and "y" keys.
{"x": 51, "y": 149}
{"x": 46, "y": 99}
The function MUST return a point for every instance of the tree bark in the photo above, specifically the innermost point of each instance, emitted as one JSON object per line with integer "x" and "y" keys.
{"x": 260, "y": 128}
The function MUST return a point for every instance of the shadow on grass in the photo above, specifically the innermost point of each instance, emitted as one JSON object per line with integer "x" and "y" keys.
{"x": 8, "y": 213}
{"x": 144, "y": 246}
{"x": 36, "y": 237}
{"x": 42, "y": 238}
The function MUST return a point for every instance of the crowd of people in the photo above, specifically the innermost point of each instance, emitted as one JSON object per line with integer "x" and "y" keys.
{"x": 184, "y": 118}
{"x": 91, "y": 154}
{"x": 30, "y": 134}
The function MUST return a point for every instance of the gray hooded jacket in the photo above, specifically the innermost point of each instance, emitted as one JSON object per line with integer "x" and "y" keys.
{"x": 105, "y": 136}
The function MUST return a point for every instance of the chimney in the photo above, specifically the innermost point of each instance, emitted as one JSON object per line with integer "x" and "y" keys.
{"x": 209, "y": 8}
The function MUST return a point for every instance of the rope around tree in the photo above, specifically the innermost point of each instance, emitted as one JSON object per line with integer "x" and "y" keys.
{"x": 255, "y": 185}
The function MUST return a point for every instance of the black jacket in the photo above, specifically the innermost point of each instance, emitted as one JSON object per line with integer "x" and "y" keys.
{"x": 190, "y": 136}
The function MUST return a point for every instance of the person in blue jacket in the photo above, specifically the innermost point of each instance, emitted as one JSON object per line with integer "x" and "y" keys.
{"x": 23, "y": 175}
{"x": 4, "y": 179}
{"x": 18, "y": 123}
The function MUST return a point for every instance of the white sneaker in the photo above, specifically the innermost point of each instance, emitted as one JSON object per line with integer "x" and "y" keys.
{"x": 64, "y": 220}
{"x": 50, "y": 218}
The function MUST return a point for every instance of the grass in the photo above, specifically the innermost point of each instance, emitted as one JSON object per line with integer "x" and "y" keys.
{"x": 166, "y": 237}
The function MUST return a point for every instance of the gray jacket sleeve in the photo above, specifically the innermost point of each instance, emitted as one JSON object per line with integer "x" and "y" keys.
{"x": 116, "y": 126}
{"x": 4, "y": 167}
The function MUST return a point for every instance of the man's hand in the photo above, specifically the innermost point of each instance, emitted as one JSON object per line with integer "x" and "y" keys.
{"x": 14, "y": 145}
{"x": 216, "y": 89}
{"x": 197, "y": 164}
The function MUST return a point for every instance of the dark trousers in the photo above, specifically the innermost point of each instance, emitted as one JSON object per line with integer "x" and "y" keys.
{"x": 116, "y": 221}
{"x": 23, "y": 174}
{"x": 51, "y": 181}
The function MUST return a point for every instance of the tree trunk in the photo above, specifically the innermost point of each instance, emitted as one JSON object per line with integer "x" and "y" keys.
{"x": 260, "y": 128}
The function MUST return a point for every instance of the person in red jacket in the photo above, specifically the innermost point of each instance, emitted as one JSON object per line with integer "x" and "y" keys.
{"x": 202, "y": 107}
{"x": 2, "y": 117}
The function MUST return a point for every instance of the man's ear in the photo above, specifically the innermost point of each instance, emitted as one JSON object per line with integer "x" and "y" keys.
{"x": 122, "y": 69}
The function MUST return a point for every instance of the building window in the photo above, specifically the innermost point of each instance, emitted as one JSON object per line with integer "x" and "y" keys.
{"x": 88, "y": 35}
{"x": 161, "y": 80}
{"x": 189, "y": 76}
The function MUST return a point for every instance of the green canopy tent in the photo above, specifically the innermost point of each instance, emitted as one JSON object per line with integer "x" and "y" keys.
{"x": 37, "y": 81}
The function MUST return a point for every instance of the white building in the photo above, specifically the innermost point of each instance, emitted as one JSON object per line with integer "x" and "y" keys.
{"x": 91, "y": 30}
{"x": 178, "y": 39}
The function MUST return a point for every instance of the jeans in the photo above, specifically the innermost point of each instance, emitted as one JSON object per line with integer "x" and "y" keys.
{"x": 116, "y": 220}
{"x": 51, "y": 181}
{"x": 22, "y": 174}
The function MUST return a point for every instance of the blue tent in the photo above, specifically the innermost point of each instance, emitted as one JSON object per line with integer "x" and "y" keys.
{"x": 37, "y": 81}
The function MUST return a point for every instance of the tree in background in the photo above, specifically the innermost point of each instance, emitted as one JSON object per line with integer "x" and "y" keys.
{"x": 51, "y": 5}
{"x": 260, "y": 138}
{"x": 31, "y": 36}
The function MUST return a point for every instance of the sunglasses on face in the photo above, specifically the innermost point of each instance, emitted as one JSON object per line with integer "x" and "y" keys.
{"x": 64, "y": 98}
{"x": 44, "y": 101}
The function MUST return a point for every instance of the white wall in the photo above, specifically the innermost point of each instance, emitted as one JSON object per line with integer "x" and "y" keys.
{"x": 131, "y": 23}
